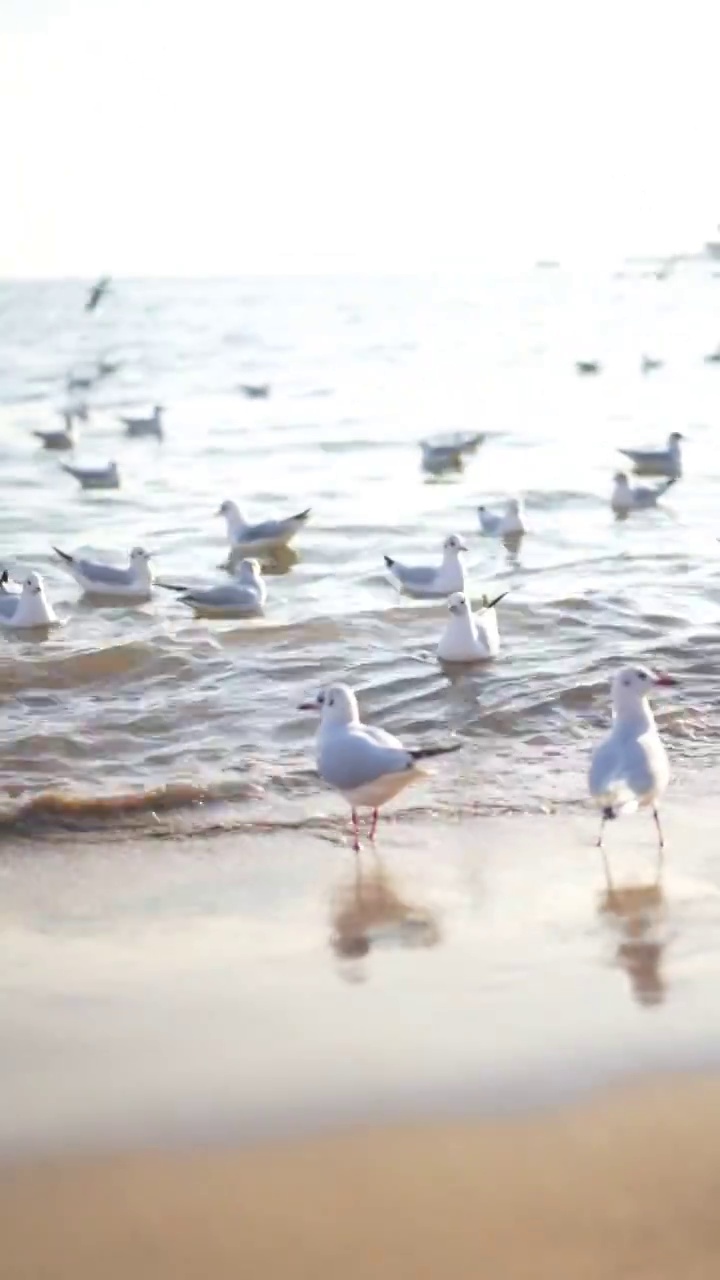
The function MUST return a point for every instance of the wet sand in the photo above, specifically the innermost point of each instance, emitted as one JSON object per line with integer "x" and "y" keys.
{"x": 626, "y": 1187}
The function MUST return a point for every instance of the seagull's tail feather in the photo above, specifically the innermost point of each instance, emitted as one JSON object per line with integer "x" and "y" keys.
{"x": 491, "y": 604}
{"x": 4, "y": 577}
{"x": 426, "y": 753}
{"x": 64, "y": 555}
{"x": 389, "y": 562}
{"x": 172, "y": 586}
{"x": 663, "y": 488}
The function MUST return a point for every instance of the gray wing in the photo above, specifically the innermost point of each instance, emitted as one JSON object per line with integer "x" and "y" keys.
{"x": 105, "y": 574}
{"x": 88, "y": 473}
{"x": 645, "y": 455}
{"x": 222, "y": 597}
{"x": 350, "y": 758}
{"x": 414, "y": 575}
{"x": 267, "y": 529}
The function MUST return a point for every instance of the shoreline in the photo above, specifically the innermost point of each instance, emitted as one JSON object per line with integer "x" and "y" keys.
{"x": 624, "y": 1185}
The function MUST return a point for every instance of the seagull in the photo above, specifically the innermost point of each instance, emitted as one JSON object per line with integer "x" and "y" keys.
{"x": 658, "y": 462}
{"x": 428, "y": 581}
{"x": 587, "y": 366}
{"x": 266, "y": 536}
{"x": 79, "y": 381}
{"x": 95, "y": 477}
{"x": 31, "y": 608}
{"x": 366, "y": 765}
{"x": 256, "y": 390}
{"x": 627, "y": 497}
{"x": 245, "y": 595}
{"x": 98, "y": 291}
{"x": 508, "y": 525}
{"x": 99, "y": 579}
{"x": 469, "y": 638}
{"x": 648, "y": 364}
{"x": 8, "y": 586}
{"x": 63, "y": 438}
{"x": 106, "y": 367}
{"x": 713, "y": 357}
{"x": 630, "y": 767}
{"x": 447, "y": 452}
{"x": 151, "y": 426}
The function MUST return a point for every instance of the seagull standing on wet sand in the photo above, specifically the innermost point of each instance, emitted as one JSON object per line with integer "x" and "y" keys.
{"x": 431, "y": 581}
{"x": 366, "y": 765}
{"x": 630, "y": 767}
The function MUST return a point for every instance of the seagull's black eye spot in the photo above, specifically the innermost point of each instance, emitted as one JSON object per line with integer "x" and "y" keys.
{"x": 642, "y": 675}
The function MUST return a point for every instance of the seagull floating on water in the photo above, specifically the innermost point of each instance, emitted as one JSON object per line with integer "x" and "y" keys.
{"x": 427, "y": 581}
{"x": 508, "y": 525}
{"x": 62, "y": 438}
{"x": 627, "y": 497}
{"x": 255, "y": 390}
{"x": 95, "y": 477}
{"x": 648, "y": 364}
{"x": 266, "y": 536}
{"x": 152, "y": 426}
{"x": 470, "y": 637}
{"x": 658, "y": 462}
{"x": 588, "y": 366}
{"x": 630, "y": 767}
{"x": 28, "y": 609}
{"x": 246, "y": 594}
{"x": 99, "y": 579}
{"x": 447, "y": 452}
{"x": 366, "y": 765}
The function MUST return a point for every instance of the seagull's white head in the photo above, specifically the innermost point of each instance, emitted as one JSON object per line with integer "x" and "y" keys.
{"x": 336, "y": 703}
{"x": 674, "y": 439}
{"x": 453, "y": 545}
{"x": 139, "y": 556}
{"x": 249, "y": 569}
{"x": 513, "y": 507}
{"x": 621, "y": 480}
{"x": 230, "y": 510}
{"x": 632, "y": 685}
{"x": 458, "y": 604}
{"x": 33, "y": 585}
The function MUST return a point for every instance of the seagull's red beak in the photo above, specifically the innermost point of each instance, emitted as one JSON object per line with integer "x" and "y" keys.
{"x": 664, "y": 680}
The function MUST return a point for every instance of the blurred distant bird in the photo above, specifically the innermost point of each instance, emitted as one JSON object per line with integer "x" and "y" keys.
{"x": 79, "y": 381}
{"x": 106, "y": 367}
{"x": 587, "y": 366}
{"x": 97, "y": 293}
{"x": 509, "y": 524}
{"x": 658, "y": 462}
{"x": 151, "y": 426}
{"x": 64, "y": 438}
{"x": 447, "y": 451}
{"x": 95, "y": 477}
{"x": 627, "y": 497}
{"x": 647, "y": 364}
{"x": 256, "y": 390}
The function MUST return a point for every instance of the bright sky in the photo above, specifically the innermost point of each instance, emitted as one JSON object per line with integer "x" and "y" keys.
{"x": 156, "y": 137}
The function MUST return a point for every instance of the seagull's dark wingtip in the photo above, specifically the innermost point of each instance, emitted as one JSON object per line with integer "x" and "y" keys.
{"x": 64, "y": 555}
{"x": 390, "y": 562}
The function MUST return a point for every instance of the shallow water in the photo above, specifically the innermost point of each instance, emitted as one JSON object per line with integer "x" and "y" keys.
{"x": 151, "y": 717}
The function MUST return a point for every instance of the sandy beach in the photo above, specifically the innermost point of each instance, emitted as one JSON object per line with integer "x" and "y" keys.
{"x": 625, "y": 1187}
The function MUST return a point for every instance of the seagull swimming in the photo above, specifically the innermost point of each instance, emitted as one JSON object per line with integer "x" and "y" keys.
{"x": 447, "y": 451}
{"x": 427, "y": 581}
{"x": 255, "y": 390}
{"x": 266, "y": 536}
{"x": 366, "y": 765}
{"x": 587, "y": 366}
{"x": 658, "y": 462}
{"x": 648, "y": 364}
{"x": 31, "y": 608}
{"x": 152, "y": 426}
{"x": 470, "y": 637}
{"x": 99, "y": 579}
{"x": 8, "y": 585}
{"x": 508, "y": 525}
{"x": 627, "y": 497}
{"x": 95, "y": 477}
{"x": 246, "y": 594}
{"x": 630, "y": 767}
{"x": 62, "y": 438}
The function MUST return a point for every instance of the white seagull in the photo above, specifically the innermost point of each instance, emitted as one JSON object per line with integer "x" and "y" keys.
{"x": 30, "y": 609}
{"x": 266, "y": 536}
{"x": 626, "y": 497}
{"x": 447, "y": 451}
{"x": 658, "y": 462}
{"x": 95, "y": 477}
{"x": 630, "y": 766}
{"x": 99, "y": 579}
{"x": 428, "y": 581}
{"x": 509, "y": 524}
{"x": 151, "y": 426}
{"x": 366, "y": 765}
{"x": 246, "y": 594}
{"x": 64, "y": 437}
{"x": 468, "y": 637}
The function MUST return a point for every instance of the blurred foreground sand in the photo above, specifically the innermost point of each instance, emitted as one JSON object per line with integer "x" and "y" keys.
{"x": 624, "y": 1187}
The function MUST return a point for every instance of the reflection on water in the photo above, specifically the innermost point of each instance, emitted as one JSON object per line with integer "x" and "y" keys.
{"x": 638, "y": 911}
{"x": 369, "y": 912}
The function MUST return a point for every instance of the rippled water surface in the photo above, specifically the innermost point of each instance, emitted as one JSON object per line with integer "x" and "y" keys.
{"x": 153, "y": 716}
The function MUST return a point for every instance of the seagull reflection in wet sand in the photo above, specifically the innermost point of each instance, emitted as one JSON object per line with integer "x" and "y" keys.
{"x": 370, "y": 911}
{"x": 638, "y": 910}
